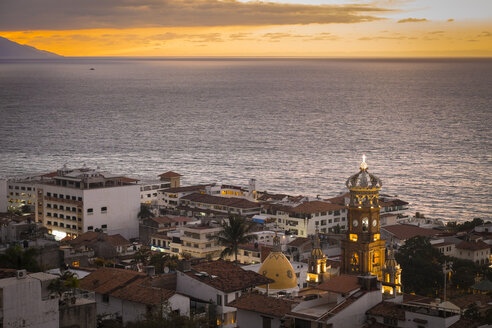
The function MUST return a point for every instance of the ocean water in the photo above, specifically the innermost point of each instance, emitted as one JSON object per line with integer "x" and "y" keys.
{"x": 298, "y": 126}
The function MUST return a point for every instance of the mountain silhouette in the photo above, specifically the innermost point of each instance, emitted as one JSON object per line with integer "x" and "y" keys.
{"x": 14, "y": 50}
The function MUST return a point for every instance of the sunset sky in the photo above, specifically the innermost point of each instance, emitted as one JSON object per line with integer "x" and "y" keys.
{"x": 385, "y": 28}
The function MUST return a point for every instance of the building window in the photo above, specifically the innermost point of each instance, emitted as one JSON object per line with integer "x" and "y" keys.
{"x": 61, "y": 196}
{"x": 55, "y": 215}
{"x": 79, "y": 199}
{"x": 90, "y": 211}
{"x": 90, "y": 228}
{"x": 62, "y": 225}
{"x": 48, "y": 213}
{"x": 55, "y": 224}
{"x": 49, "y": 223}
{"x": 105, "y": 298}
{"x": 61, "y": 207}
{"x": 219, "y": 299}
{"x": 67, "y": 197}
{"x": 74, "y": 209}
{"x": 74, "y": 226}
{"x": 74, "y": 198}
{"x": 62, "y": 216}
{"x": 104, "y": 209}
{"x": 104, "y": 226}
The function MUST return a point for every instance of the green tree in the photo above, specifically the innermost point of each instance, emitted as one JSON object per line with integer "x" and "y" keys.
{"x": 17, "y": 258}
{"x": 162, "y": 260}
{"x": 472, "y": 312}
{"x": 234, "y": 232}
{"x": 421, "y": 266}
{"x": 464, "y": 272}
{"x": 145, "y": 212}
{"x": 67, "y": 281}
{"x": 143, "y": 255}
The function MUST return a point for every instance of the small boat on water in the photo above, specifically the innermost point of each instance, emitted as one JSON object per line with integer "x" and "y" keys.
{"x": 92, "y": 69}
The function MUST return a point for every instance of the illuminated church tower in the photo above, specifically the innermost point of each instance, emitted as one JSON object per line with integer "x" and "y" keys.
{"x": 391, "y": 275}
{"x": 316, "y": 263}
{"x": 363, "y": 250}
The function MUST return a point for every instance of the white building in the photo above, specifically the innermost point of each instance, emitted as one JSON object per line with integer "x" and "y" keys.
{"x": 72, "y": 201}
{"x": 80, "y": 200}
{"x": 129, "y": 296}
{"x": 25, "y": 301}
{"x": 340, "y": 302}
{"x": 18, "y": 192}
{"x": 218, "y": 282}
{"x": 258, "y": 310}
{"x": 476, "y": 250}
{"x": 303, "y": 219}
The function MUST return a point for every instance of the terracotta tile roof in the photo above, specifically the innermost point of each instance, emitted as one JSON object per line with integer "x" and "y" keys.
{"x": 340, "y": 200}
{"x": 85, "y": 237}
{"x": 170, "y": 174}
{"x": 162, "y": 219}
{"x": 128, "y": 180}
{"x": 50, "y": 175}
{"x": 108, "y": 280}
{"x": 250, "y": 247}
{"x": 473, "y": 245}
{"x": 392, "y": 202}
{"x": 388, "y": 310}
{"x": 407, "y": 231}
{"x": 464, "y": 301}
{"x": 316, "y": 207}
{"x": 125, "y": 284}
{"x": 117, "y": 240}
{"x": 442, "y": 244}
{"x": 408, "y": 298}
{"x": 216, "y": 200}
{"x": 342, "y": 284}
{"x": 182, "y": 219}
{"x": 333, "y": 263}
{"x": 187, "y": 188}
{"x": 263, "y": 304}
{"x": 466, "y": 323}
{"x": 299, "y": 241}
{"x": 140, "y": 291}
{"x": 90, "y": 236}
{"x": 229, "y": 277}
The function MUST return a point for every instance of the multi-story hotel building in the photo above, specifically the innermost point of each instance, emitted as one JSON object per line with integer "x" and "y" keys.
{"x": 72, "y": 201}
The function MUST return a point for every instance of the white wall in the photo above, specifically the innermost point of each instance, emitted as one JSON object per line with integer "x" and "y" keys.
{"x": 181, "y": 303}
{"x": 248, "y": 319}
{"x": 123, "y": 205}
{"x": 24, "y": 307}
{"x": 432, "y": 321}
{"x": 355, "y": 314}
{"x": 194, "y": 288}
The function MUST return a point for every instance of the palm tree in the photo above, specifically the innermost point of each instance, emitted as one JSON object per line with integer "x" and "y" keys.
{"x": 145, "y": 212}
{"x": 235, "y": 232}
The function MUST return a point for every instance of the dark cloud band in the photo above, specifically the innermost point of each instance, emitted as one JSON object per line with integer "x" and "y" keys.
{"x": 90, "y": 14}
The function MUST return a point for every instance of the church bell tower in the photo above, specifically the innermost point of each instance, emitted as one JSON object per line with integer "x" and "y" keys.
{"x": 363, "y": 250}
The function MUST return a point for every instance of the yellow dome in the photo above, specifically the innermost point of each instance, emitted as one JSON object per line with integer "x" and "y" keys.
{"x": 277, "y": 267}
